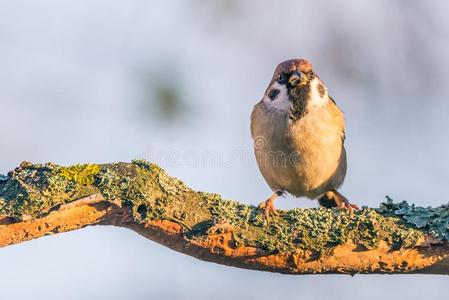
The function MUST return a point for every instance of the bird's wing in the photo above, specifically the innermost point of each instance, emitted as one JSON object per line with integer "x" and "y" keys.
{"x": 338, "y": 111}
{"x": 254, "y": 113}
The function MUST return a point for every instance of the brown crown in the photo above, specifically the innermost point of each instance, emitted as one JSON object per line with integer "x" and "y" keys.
{"x": 300, "y": 64}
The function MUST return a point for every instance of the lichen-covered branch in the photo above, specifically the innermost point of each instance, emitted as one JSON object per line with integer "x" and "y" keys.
{"x": 37, "y": 200}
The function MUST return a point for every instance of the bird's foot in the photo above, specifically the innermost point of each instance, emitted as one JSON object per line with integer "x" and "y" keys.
{"x": 268, "y": 206}
{"x": 334, "y": 199}
{"x": 349, "y": 206}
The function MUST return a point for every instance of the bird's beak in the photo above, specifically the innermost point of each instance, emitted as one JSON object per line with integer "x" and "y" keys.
{"x": 297, "y": 79}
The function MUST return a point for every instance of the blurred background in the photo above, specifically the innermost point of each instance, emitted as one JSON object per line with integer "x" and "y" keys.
{"x": 175, "y": 82}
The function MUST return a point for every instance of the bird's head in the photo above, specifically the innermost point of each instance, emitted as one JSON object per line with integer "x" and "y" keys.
{"x": 294, "y": 87}
{"x": 294, "y": 73}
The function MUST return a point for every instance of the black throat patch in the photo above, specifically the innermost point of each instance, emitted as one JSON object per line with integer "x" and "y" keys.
{"x": 298, "y": 96}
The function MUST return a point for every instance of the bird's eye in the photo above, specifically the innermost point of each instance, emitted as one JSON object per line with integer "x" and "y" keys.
{"x": 281, "y": 78}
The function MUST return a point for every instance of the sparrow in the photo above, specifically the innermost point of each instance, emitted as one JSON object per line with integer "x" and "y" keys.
{"x": 299, "y": 133}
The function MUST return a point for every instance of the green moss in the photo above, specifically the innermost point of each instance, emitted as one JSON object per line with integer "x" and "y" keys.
{"x": 150, "y": 194}
{"x": 32, "y": 190}
{"x": 145, "y": 189}
{"x": 144, "y": 164}
{"x": 313, "y": 229}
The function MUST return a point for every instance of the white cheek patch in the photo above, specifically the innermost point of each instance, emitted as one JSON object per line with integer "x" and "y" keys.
{"x": 280, "y": 102}
{"x": 316, "y": 99}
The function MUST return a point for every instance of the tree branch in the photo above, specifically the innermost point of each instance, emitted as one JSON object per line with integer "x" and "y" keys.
{"x": 38, "y": 200}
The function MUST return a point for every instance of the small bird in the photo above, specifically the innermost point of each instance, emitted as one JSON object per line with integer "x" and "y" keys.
{"x": 299, "y": 132}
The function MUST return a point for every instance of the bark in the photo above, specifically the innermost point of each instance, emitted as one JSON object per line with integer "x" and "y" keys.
{"x": 38, "y": 200}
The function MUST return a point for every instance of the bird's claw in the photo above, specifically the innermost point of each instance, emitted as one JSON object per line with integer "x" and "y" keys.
{"x": 345, "y": 205}
{"x": 268, "y": 208}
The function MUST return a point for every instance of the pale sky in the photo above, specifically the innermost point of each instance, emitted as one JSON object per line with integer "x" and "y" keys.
{"x": 77, "y": 81}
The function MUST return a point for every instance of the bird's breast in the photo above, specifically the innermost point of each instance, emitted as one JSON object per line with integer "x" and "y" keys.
{"x": 304, "y": 156}
{"x": 318, "y": 141}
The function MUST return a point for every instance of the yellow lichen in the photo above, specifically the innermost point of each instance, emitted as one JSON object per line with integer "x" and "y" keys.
{"x": 81, "y": 174}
